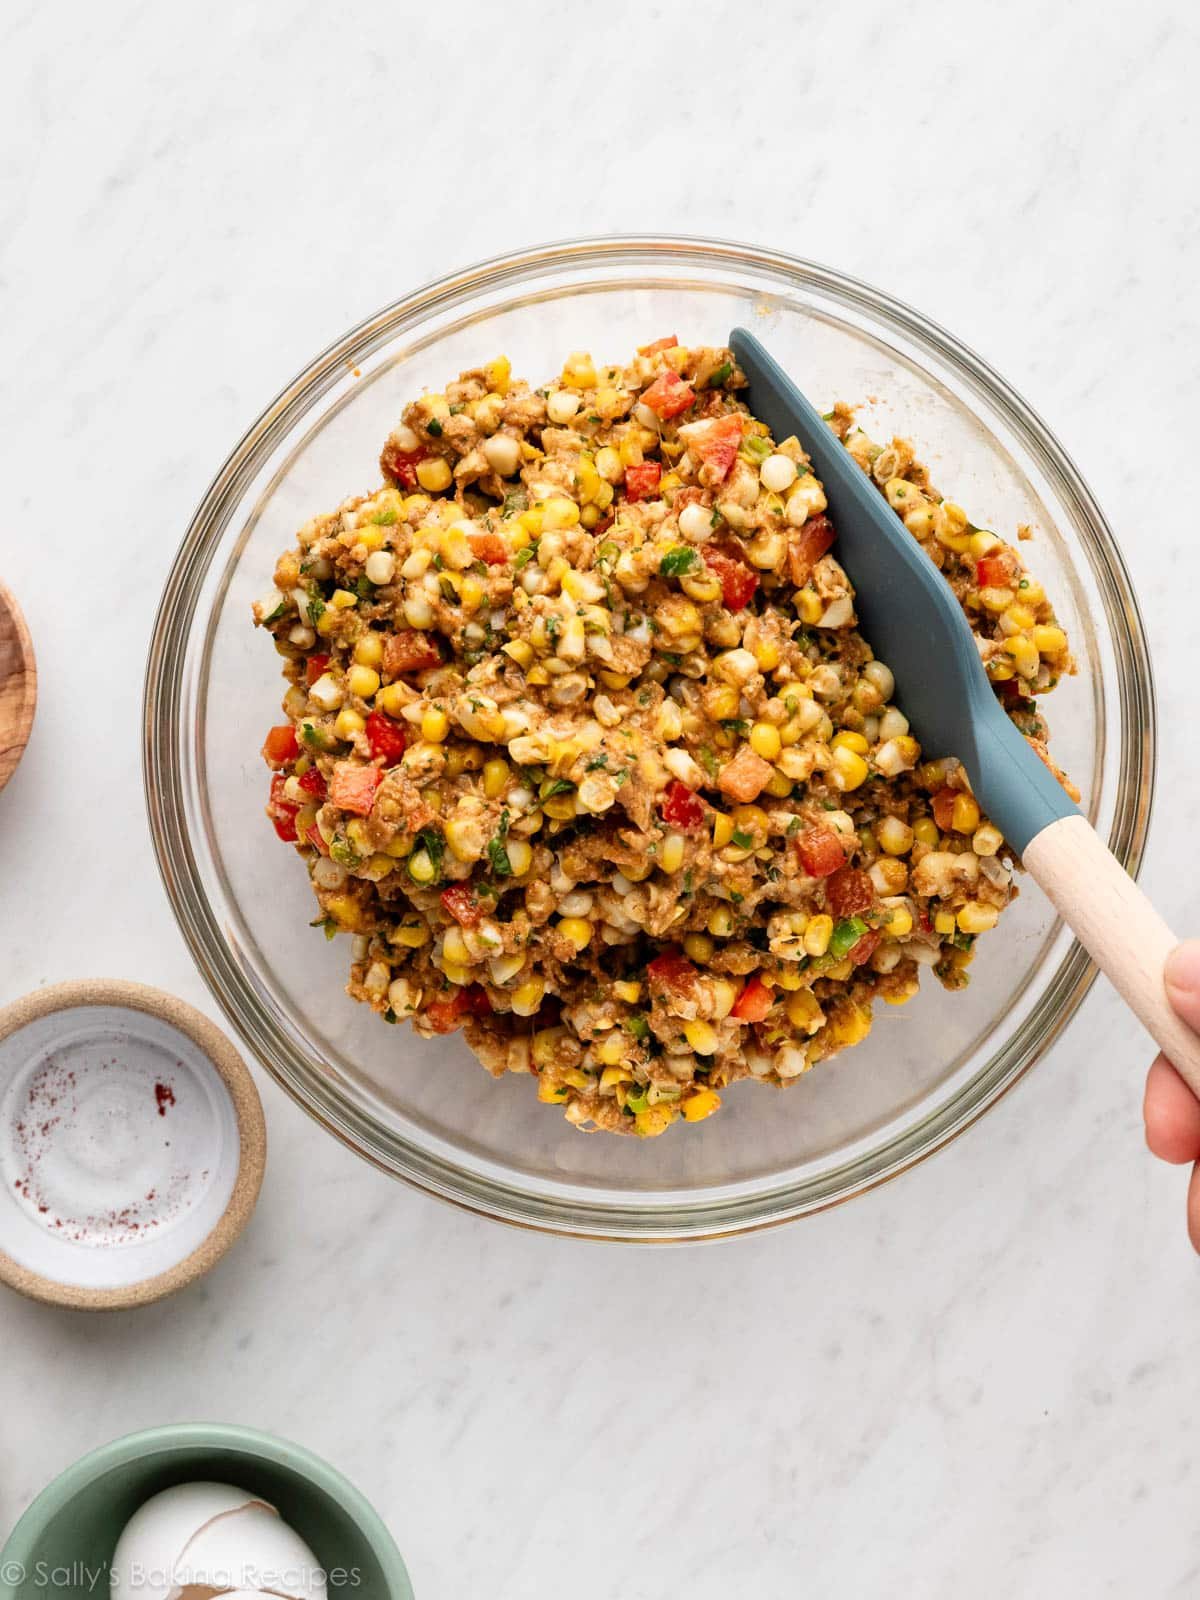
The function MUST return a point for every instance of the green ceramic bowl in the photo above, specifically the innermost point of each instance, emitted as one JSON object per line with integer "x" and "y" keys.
{"x": 69, "y": 1533}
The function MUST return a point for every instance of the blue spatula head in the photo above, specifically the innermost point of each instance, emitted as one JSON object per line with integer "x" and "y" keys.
{"x": 911, "y": 619}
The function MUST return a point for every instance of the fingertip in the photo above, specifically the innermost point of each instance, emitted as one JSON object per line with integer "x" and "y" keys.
{"x": 1181, "y": 974}
{"x": 1193, "y": 1208}
{"x": 1171, "y": 1114}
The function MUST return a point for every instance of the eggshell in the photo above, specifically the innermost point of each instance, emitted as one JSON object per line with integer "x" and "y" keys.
{"x": 158, "y": 1532}
{"x": 252, "y": 1548}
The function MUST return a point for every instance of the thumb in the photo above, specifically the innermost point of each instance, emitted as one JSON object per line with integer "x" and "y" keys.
{"x": 1182, "y": 977}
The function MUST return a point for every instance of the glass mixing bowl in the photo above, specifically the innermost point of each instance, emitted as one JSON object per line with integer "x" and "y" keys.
{"x": 426, "y": 1111}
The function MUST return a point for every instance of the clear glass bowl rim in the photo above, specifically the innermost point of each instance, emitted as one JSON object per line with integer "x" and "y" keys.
{"x": 163, "y": 770}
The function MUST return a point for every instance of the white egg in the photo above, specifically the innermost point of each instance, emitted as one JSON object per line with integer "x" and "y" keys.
{"x": 252, "y": 1548}
{"x": 156, "y": 1535}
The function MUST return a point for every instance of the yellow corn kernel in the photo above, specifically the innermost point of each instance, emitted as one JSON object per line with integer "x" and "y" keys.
{"x": 999, "y": 670}
{"x": 788, "y": 978}
{"x": 579, "y": 371}
{"x": 698, "y": 947}
{"x": 412, "y": 933}
{"x": 982, "y": 542}
{"x": 901, "y": 997}
{"x": 648, "y": 1124}
{"x": 944, "y": 922}
{"x": 578, "y": 930}
{"x": 562, "y": 807}
{"x": 609, "y": 464}
{"x": 702, "y": 1037}
{"x": 895, "y": 837}
{"x": 519, "y": 650}
{"x": 497, "y": 374}
{"x": 996, "y": 599}
{"x": 496, "y": 774}
{"x": 590, "y": 516}
{"x": 723, "y": 702}
{"x": 779, "y": 786}
{"x": 434, "y": 474}
{"x": 370, "y": 538}
{"x": 851, "y": 1025}
{"x": 561, "y": 513}
{"x": 613, "y": 1048}
{"x": 1020, "y": 615}
{"x": 976, "y": 917}
{"x": 810, "y": 605}
{"x": 803, "y": 1010}
{"x": 550, "y": 1092}
{"x": 520, "y": 857}
{"x": 435, "y": 725}
{"x": 394, "y": 698}
{"x": 703, "y": 586}
{"x": 698, "y": 1106}
{"x": 470, "y": 594}
{"x": 847, "y": 739}
{"x": 965, "y": 816}
{"x": 400, "y": 846}
{"x": 672, "y": 852}
{"x": 818, "y": 934}
{"x": 528, "y": 996}
{"x": 342, "y": 600}
{"x": 925, "y": 831}
{"x": 368, "y": 652}
{"x": 1024, "y": 654}
{"x": 629, "y": 990}
{"x": 849, "y": 770}
{"x": 899, "y": 923}
{"x": 611, "y": 1076}
{"x": 348, "y": 723}
{"x": 765, "y": 741}
{"x": 345, "y": 911}
{"x": 533, "y": 521}
{"x": 421, "y": 868}
{"x": 721, "y": 922}
{"x": 356, "y": 832}
{"x": 454, "y": 948}
{"x": 1049, "y": 641}
{"x": 766, "y": 654}
{"x": 614, "y": 680}
{"x": 325, "y": 622}
{"x": 987, "y": 840}
{"x": 630, "y": 450}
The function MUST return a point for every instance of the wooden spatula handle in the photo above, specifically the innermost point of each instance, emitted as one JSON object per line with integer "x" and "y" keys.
{"x": 1118, "y": 927}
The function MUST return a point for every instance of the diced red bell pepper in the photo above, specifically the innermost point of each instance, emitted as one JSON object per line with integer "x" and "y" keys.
{"x": 410, "y": 650}
{"x": 314, "y": 838}
{"x": 490, "y": 547}
{"x": 642, "y": 480}
{"x": 996, "y": 571}
{"x": 668, "y": 343}
{"x": 942, "y": 805}
{"x": 386, "y": 738}
{"x": 668, "y": 396}
{"x": 443, "y": 1016}
{"x": 313, "y": 783}
{"x": 806, "y": 546}
{"x": 924, "y": 919}
{"x": 281, "y": 811}
{"x": 716, "y": 443}
{"x": 753, "y": 1003}
{"x": 401, "y": 465}
{"x": 738, "y": 582}
{"x": 672, "y": 969}
{"x": 848, "y": 891}
{"x": 460, "y": 902}
{"x": 353, "y": 787}
{"x": 680, "y": 807}
{"x": 280, "y": 746}
{"x": 603, "y": 526}
{"x": 820, "y": 851}
{"x": 314, "y": 668}
{"x": 865, "y": 948}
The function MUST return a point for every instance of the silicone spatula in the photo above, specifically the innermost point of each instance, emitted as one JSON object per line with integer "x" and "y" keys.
{"x": 913, "y": 622}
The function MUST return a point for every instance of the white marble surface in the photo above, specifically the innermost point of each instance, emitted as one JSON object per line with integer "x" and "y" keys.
{"x": 981, "y": 1380}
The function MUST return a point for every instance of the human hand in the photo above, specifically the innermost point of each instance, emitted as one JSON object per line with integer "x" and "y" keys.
{"x": 1170, "y": 1109}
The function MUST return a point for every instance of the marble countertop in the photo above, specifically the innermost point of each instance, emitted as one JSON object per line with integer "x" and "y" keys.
{"x": 980, "y": 1379}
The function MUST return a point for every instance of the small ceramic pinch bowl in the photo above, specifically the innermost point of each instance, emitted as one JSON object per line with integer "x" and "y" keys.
{"x": 64, "y": 1543}
{"x": 132, "y": 1145}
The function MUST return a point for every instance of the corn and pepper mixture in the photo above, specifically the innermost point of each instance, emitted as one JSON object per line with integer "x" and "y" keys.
{"x": 585, "y": 751}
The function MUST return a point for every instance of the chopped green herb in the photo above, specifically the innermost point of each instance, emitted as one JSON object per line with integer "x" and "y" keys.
{"x": 435, "y": 428}
{"x": 741, "y": 840}
{"x": 708, "y": 760}
{"x": 316, "y": 605}
{"x": 385, "y": 518}
{"x": 638, "y": 1102}
{"x": 637, "y": 1026}
{"x": 755, "y": 448}
{"x": 344, "y": 853}
{"x": 364, "y": 588}
{"x": 678, "y": 560}
{"x": 457, "y": 409}
{"x": 717, "y": 378}
{"x": 524, "y": 556}
{"x": 497, "y": 854}
{"x": 597, "y": 763}
{"x": 328, "y": 924}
